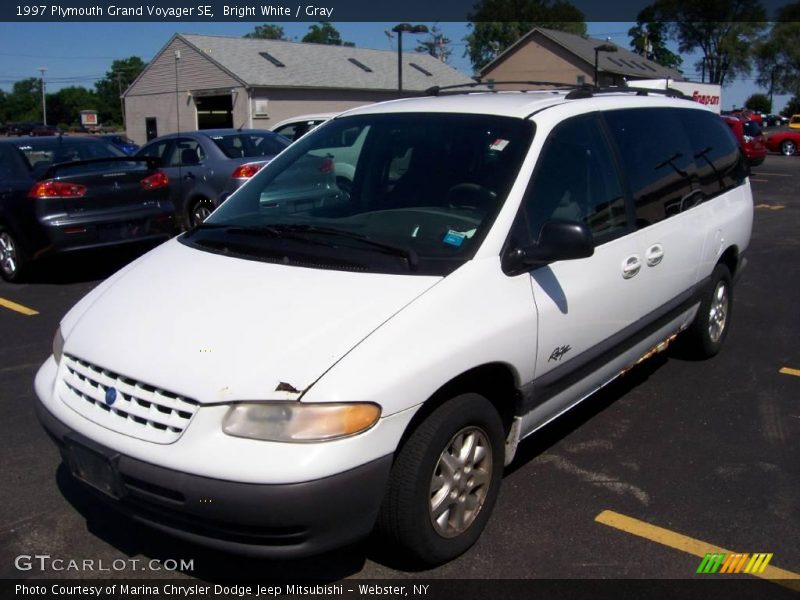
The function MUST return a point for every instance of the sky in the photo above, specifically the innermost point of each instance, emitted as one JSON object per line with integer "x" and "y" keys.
{"x": 81, "y": 53}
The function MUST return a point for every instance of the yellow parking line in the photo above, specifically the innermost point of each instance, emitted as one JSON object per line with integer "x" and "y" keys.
{"x": 687, "y": 544}
{"x": 771, "y": 206}
{"x": 18, "y": 307}
{"x": 775, "y": 174}
{"x": 788, "y": 371}
{"x": 757, "y": 179}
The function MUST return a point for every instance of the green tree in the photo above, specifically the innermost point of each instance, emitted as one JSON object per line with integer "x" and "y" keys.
{"x": 792, "y": 107}
{"x": 777, "y": 55}
{"x": 324, "y": 33}
{"x": 497, "y": 24}
{"x": 25, "y": 100}
{"x": 267, "y": 31}
{"x": 725, "y": 31}
{"x": 759, "y": 103}
{"x": 117, "y": 79}
{"x": 65, "y": 105}
{"x": 3, "y": 106}
{"x": 649, "y": 39}
{"x": 437, "y": 44}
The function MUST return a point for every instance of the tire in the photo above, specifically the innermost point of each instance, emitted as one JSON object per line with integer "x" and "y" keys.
{"x": 707, "y": 333}
{"x": 12, "y": 257}
{"x": 199, "y": 210}
{"x": 788, "y": 147}
{"x": 437, "y": 502}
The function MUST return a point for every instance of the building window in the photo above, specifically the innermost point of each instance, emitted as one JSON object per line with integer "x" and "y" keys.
{"x": 580, "y": 80}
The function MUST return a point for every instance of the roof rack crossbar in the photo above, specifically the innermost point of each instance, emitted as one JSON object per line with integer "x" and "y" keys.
{"x": 589, "y": 91}
{"x": 436, "y": 89}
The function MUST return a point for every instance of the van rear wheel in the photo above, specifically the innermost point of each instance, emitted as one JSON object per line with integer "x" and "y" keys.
{"x": 445, "y": 480}
{"x": 707, "y": 333}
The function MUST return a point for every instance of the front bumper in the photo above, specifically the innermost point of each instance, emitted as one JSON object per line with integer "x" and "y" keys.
{"x": 269, "y": 520}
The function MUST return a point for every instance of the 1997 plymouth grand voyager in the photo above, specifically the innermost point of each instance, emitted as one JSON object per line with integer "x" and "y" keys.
{"x": 322, "y": 357}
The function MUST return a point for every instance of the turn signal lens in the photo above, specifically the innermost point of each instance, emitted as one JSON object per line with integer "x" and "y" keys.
{"x": 299, "y": 422}
{"x": 56, "y": 189}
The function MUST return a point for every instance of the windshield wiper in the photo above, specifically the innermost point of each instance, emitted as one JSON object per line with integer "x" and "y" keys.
{"x": 408, "y": 253}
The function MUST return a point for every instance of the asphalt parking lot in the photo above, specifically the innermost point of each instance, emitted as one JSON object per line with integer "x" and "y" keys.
{"x": 670, "y": 461}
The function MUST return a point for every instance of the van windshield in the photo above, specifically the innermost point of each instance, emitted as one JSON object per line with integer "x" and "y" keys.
{"x": 407, "y": 192}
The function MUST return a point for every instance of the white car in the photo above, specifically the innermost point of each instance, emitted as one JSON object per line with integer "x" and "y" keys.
{"x": 296, "y": 127}
{"x": 312, "y": 361}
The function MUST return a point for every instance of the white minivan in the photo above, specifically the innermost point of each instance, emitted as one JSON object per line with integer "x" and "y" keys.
{"x": 314, "y": 362}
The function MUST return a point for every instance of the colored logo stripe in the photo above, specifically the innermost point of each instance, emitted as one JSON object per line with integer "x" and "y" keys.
{"x": 734, "y": 563}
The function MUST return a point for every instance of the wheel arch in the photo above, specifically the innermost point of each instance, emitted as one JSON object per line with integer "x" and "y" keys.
{"x": 498, "y": 382}
{"x": 730, "y": 258}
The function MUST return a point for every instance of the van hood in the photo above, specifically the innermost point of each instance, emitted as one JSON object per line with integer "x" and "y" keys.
{"x": 217, "y": 329}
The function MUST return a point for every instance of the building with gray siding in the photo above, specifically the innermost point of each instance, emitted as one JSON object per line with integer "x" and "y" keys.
{"x": 202, "y": 82}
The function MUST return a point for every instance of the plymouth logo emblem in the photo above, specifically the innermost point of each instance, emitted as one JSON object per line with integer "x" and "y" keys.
{"x": 111, "y": 396}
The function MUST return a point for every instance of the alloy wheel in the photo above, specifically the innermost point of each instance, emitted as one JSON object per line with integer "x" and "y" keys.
{"x": 460, "y": 482}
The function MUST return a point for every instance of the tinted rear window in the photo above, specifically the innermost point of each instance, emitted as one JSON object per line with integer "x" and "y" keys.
{"x": 246, "y": 145}
{"x": 42, "y": 154}
{"x": 658, "y": 161}
{"x": 720, "y": 165}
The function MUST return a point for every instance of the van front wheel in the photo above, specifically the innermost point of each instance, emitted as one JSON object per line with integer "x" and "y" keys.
{"x": 445, "y": 480}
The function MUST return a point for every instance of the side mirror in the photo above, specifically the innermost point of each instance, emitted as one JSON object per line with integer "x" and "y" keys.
{"x": 558, "y": 240}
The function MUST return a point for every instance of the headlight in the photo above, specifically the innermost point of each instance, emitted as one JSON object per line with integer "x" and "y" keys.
{"x": 298, "y": 422}
{"x": 58, "y": 345}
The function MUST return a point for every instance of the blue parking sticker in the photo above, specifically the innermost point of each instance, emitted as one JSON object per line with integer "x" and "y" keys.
{"x": 454, "y": 238}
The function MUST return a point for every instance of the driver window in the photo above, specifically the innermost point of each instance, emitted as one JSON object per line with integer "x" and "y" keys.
{"x": 576, "y": 180}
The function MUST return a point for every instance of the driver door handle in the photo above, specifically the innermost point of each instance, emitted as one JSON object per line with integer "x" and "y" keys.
{"x": 631, "y": 266}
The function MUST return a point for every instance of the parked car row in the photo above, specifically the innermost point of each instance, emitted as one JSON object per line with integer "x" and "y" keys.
{"x": 205, "y": 166}
{"x": 60, "y": 194}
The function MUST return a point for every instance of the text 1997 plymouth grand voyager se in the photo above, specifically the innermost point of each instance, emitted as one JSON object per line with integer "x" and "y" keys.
{"x": 325, "y": 357}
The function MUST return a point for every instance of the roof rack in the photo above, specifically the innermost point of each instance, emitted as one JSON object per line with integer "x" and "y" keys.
{"x": 588, "y": 91}
{"x": 490, "y": 85}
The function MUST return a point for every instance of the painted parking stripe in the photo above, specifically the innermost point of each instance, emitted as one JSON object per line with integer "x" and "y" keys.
{"x": 788, "y": 371}
{"x": 775, "y": 174}
{"x": 18, "y": 307}
{"x": 771, "y": 206}
{"x": 687, "y": 544}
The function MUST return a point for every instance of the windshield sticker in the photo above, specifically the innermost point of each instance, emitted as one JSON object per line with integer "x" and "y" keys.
{"x": 499, "y": 144}
{"x": 454, "y": 238}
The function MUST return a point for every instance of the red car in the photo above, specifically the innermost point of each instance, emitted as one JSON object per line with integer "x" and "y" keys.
{"x": 748, "y": 133}
{"x": 785, "y": 142}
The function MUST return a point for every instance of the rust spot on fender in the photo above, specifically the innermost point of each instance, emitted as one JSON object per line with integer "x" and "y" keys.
{"x": 286, "y": 387}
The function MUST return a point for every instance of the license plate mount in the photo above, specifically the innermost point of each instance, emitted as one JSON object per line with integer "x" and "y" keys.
{"x": 94, "y": 466}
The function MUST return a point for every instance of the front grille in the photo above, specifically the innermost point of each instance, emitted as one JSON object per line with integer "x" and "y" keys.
{"x": 139, "y": 410}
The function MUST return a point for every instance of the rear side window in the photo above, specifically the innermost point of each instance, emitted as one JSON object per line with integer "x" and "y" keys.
{"x": 720, "y": 165}
{"x": 576, "y": 180}
{"x": 186, "y": 153}
{"x": 246, "y": 145}
{"x": 658, "y": 160}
